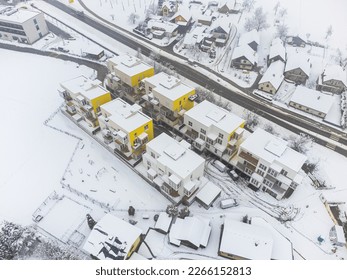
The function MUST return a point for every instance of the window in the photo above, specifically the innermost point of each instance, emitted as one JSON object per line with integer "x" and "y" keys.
{"x": 202, "y": 137}
{"x": 221, "y": 135}
{"x": 267, "y": 85}
{"x": 135, "y": 134}
{"x": 148, "y": 164}
{"x": 146, "y": 127}
{"x": 198, "y": 145}
{"x": 207, "y": 146}
{"x": 261, "y": 173}
{"x": 152, "y": 155}
{"x": 219, "y": 141}
{"x": 254, "y": 182}
{"x": 209, "y": 141}
{"x": 203, "y": 131}
{"x": 262, "y": 166}
{"x": 37, "y": 27}
{"x": 190, "y": 123}
{"x": 272, "y": 172}
{"x": 267, "y": 183}
{"x": 35, "y": 21}
{"x": 283, "y": 172}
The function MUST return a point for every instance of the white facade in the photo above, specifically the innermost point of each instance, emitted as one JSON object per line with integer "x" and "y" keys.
{"x": 272, "y": 166}
{"x": 214, "y": 128}
{"x": 21, "y": 25}
{"x": 172, "y": 166}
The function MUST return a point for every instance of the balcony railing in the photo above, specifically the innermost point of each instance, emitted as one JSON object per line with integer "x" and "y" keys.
{"x": 249, "y": 158}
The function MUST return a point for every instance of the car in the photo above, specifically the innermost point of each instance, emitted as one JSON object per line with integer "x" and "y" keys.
{"x": 233, "y": 175}
{"x": 228, "y": 203}
{"x": 220, "y": 166}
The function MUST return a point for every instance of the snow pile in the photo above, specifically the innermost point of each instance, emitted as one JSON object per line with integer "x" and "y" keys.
{"x": 344, "y": 110}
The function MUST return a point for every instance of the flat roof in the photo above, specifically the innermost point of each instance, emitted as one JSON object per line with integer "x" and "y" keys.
{"x": 210, "y": 115}
{"x": 128, "y": 117}
{"x": 184, "y": 164}
{"x": 114, "y": 231}
{"x": 129, "y": 65}
{"x": 208, "y": 193}
{"x": 273, "y": 149}
{"x": 313, "y": 99}
{"x": 247, "y": 241}
{"x": 16, "y": 15}
{"x": 90, "y": 89}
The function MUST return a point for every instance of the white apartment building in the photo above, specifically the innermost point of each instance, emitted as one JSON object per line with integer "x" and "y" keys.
{"x": 172, "y": 166}
{"x": 214, "y": 128}
{"x": 272, "y": 166}
{"x": 168, "y": 98}
{"x": 22, "y": 25}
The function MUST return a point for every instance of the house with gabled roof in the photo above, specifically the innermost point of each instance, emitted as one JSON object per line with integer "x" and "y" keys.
{"x": 298, "y": 68}
{"x": 273, "y": 78}
{"x": 229, "y": 7}
{"x": 182, "y": 17}
{"x": 333, "y": 79}
{"x": 220, "y": 32}
{"x": 251, "y": 39}
{"x": 296, "y": 40}
{"x": 277, "y": 51}
{"x": 168, "y": 8}
{"x": 244, "y": 57}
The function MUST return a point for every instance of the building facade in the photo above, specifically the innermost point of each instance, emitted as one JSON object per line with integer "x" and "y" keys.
{"x": 125, "y": 127}
{"x": 22, "y": 25}
{"x": 272, "y": 166}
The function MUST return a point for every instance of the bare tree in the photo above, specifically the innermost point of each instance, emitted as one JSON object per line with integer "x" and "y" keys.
{"x": 277, "y": 6}
{"x": 283, "y": 12}
{"x": 300, "y": 143}
{"x": 252, "y": 120}
{"x": 329, "y": 32}
{"x": 269, "y": 128}
{"x": 282, "y": 31}
{"x": 133, "y": 18}
{"x": 258, "y": 21}
{"x": 248, "y": 4}
{"x": 249, "y": 24}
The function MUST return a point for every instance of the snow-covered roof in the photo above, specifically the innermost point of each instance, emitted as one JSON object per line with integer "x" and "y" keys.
{"x": 340, "y": 235}
{"x": 335, "y": 72}
{"x": 208, "y": 193}
{"x": 168, "y": 27}
{"x": 277, "y": 49}
{"x": 274, "y": 74}
{"x": 195, "y": 230}
{"x": 224, "y": 25}
{"x": 298, "y": 60}
{"x": 247, "y": 52}
{"x": 282, "y": 248}
{"x": 114, "y": 231}
{"x": 168, "y": 86}
{"x": 184, "y": 13}
{"x": 228, "y": 3}
{"x": 273, "y": 149}
{"x": 10, "y": 14}
{"x": 84, "y": 86}
{"x": 174, "y": 155}
{"x": 249, "y": 37}
{"x": 211, "y": 115}
{"x": 129, "y": 65}
{"x": 313, "y": 99}
{"x": 246, "y": 241}
{"x": 127, "y": 117}
{"x": 163, "y": 223}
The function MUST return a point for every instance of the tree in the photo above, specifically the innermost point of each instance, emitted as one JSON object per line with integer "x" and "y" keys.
{"x": 131, "y": 211}
{"x": 258, "y": 21}
{"x": 283, "y": 12}
{"x": 248, "y": 4}
{"x": 300, "y": 143}
{"x": 133, "y": 18}
{"x": 269, "y": 128}
{"x": 282, "y": 31}
{"x": 278, "y": 4}
{"x": 329, "y": 32}
{"x": 252, "y": 120}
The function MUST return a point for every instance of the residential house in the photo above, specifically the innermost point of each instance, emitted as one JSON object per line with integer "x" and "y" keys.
{"x": 167, "y": 98}
{"x": 208, "y": 194}
{"x": 272, "y": 166}
{"x": 244, "y": 57}
{"x": 83, "y": 98}
{"x": 22, "y": 25}
{"x": 173, "y": 167}
{"x": 297, "y": 69}
{"x": 296, "y": 41}
{"x": 112, "y": 239}
{"x": 251, "y": 39}
{"x": 333, "y": 79}
{"x": 193, "y": 232}
{"x": 229, "y": 7}
{"x": 311, "y": 101}
{"x": 183, "y": 19}
{"x": 256, "y": 240}
{"x": 220, "y": 32}
{"x": 273, "y": 78}
{"x": 277, "y": 51}
{"x": 125, "y": 75}
{"x": 168, "y": 8}
{"x": 205, "y": 20}
{"x": 214, "y": 129}
{"x": 125, "y": 127}
{"x": 195, "y": 37}
{"x": 162, "y": 29}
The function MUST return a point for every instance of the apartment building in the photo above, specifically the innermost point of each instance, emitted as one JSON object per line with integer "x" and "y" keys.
{"x": 126, "y": 73}
{"x": 214, "y": 129}
{"x": 83, "y": 98}
{"x": 168, "y": 98}
{"x": 21, "y": 25}
{"x": 173, "y": 167}
{"x": 272, "y": 166}
{"x": 125, "y": 127}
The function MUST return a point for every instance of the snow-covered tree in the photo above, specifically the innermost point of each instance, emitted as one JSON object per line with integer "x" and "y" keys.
{"x": 133, "y": 18}
{"x": 283, "y": 12}
{"x": 329, "y": 32}
{"x": 277, "y": 6}
{"x": 343, "y": 105}
{"x": 257, "y": 21}
{"x": 248, "y": 5}
{"x": 269, "y": 128}
{"x": 282, "y": 31}
{"x": 300, "y": 143}
{"x": 252, "y": 120}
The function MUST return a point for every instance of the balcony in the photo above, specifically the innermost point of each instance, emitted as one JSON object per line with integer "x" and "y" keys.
{"x": 191, "y": 133}
{"x": 249, "y": 158}
{"x": 64, "y": 94}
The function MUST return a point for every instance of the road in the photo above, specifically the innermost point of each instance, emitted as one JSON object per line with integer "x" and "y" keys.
{"x": 293, "y": 122}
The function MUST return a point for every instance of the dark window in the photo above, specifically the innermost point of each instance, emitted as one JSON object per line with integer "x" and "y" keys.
{"x": 35, "y": 21}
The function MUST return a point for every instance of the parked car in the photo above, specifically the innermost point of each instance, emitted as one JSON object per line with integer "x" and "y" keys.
{"x": 233, "y": 175}
{"x": 228, "y": 203}
{"x": 220, "y": 166}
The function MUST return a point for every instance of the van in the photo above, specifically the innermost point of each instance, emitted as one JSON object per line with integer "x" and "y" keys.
{"x": 228, "y": 203}
{"x": 233, "y": 175}
{"x": 220, "y": 166}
